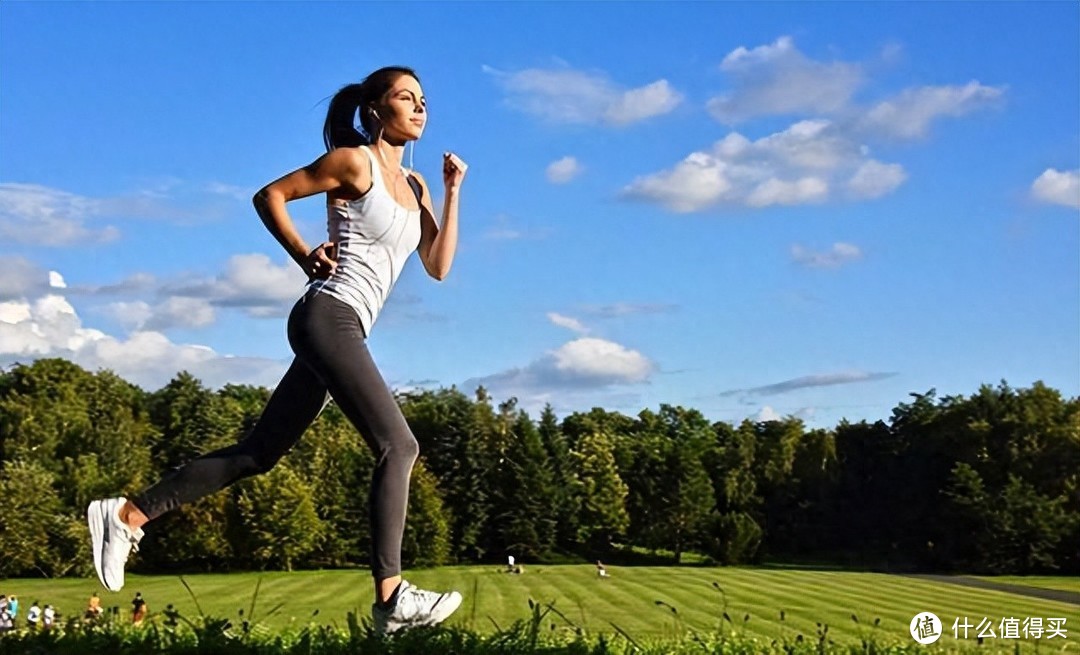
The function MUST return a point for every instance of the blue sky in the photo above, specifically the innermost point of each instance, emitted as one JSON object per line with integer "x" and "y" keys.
{"x": 757, "y": 210}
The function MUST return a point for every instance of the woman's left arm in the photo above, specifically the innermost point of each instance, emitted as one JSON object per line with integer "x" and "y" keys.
{"x": 439, "y": 242}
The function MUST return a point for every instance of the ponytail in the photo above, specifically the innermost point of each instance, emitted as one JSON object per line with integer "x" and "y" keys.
{"x": 339, "y": 130}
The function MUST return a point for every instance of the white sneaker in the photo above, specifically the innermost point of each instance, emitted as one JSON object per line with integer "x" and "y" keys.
{"x": 414, "y": 607}
{"x": 111, "y": 540}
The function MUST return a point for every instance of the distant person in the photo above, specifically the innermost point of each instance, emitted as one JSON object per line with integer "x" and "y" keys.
{"x": 601, "y": 571}
{"x": 509, "y": 563}
{"x": 379, "y": 212}
{"x": 172, "y": 617}
{"x": 138, "y": 608}
{"x": 48, "y": 616}
{"x": 33, "y": 616}
{"x": 6, "y": 622}
{"x": 93, "y": 607}
{"x": 13, "y": 606}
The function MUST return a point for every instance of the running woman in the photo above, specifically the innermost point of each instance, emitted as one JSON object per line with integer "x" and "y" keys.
{"x": 379, "y": 213}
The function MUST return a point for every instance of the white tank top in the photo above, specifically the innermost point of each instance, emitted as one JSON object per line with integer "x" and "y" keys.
{"x": 375, "y": 236}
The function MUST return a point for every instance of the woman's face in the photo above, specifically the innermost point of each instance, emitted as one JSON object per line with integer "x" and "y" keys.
{"x": 404, "y": 109}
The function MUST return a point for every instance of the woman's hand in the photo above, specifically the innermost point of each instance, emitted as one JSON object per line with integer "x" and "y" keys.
{"x": 453, "y": 171}
{"x": 321, "y": 262}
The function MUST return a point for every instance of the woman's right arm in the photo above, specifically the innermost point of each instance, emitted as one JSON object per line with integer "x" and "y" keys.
{"x": 335, "y": 170}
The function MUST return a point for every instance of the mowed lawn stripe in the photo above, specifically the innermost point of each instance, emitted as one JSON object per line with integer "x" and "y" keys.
{"x": 1061, "y": 583}
{"x": 804, "y": 601}
{"x": 627, "y": 599}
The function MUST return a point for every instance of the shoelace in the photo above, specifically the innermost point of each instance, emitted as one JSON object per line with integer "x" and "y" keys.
{"x": 420, "y": 599}
{"x": 132, "y": 539}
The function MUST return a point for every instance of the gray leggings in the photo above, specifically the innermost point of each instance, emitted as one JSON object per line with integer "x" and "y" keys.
{"x": 331, "y": 356}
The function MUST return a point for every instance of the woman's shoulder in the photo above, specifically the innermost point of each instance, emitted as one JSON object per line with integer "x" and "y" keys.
{"x": 350, "y": 155}
{"x": 350, "y": 164}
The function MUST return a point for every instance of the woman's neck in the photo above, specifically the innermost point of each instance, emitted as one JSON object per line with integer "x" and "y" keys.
{"x": 391, "y": 153}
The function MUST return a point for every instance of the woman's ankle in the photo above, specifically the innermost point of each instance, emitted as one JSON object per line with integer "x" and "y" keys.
{"x": 132, "y": 516}
{"x": 386, "y": 590}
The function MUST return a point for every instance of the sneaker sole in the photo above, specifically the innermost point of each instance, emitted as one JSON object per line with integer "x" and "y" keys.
{"x": 95, "y": 519}
{"x": 442, "y": 611}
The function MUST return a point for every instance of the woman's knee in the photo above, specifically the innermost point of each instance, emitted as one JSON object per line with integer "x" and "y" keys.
{"x": 403, "y": 449}
{"x": 257, "y": 464}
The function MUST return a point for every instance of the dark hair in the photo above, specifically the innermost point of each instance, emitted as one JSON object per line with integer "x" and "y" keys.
{"x": 339, "y": 130}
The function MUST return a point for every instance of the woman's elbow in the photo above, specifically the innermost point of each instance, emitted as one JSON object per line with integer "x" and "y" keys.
{"x": 438, "y": 273}
{"x": 259, "y": 200}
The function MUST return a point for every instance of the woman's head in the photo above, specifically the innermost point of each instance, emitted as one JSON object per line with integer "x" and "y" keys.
{"x": 390, "y": 103}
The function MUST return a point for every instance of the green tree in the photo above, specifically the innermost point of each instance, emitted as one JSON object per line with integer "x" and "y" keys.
{"x": 112, "y": 457}
{"x": 566, "y": 494}
{"x": 334, "y": 461}
{"x": 689, "y": 499}
{"x": 523, "y": 513}
{"x": 29, "y": 519}
{"x": 427, "y": 531}
{"x": 603, "y": 493}
{"x": 191, "y": 420}
{"x": 279, "y": 517}
{"x": 43, "y": 410}
{"x": 733, "y": 533}
{"x": 452, "y": 432}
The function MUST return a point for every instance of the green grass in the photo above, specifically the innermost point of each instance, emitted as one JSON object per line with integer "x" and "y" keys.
{"x": 1060, "y": 583}
{"x": 627, "y": 600}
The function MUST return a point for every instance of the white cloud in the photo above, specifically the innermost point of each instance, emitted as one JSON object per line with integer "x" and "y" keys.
{"x": 12, "y": 312}
{"x": 50, "y": 327}
{"x": 172, "y": 313}
{"x": 507, "y": 228}
{"x": 563, "y": 170}
{"x": 230, "y": 190}
{"x": 582, "y": 365}
{"x": 601, "y": 361}
{"x": 40, "y": 216}
{"x": 800, "y": 165}
{"x": 837, "y": 256}
{"x": 909, "y": 114}
{"x": 567, "y": 322}
{"x": 874, "y": 179}
{"x": 504, "y": 234}
{"x": 21, "y": 278}
{"x": 778, "y": 79}
{"x": 566, "y": 95}
{"x": 618, "y": 309}
{"x": 643, "y": 102}
{"x": 768, "y": 414}
{"x": 135, "y": 283}
{"x": 1058, "y": 187}
{"x": 250, "y": 282}
{"x": 132, "y": 315}
{"x": 802, "y": 191}
{"x": 822, "y": 380}
{"x": 697, "y": 182}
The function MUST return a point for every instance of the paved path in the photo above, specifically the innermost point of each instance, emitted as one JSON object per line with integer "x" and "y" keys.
{"x": 1059, "y": 595}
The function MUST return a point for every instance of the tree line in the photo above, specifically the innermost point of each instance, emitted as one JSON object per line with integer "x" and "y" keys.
{"x": 984, "y": 483}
